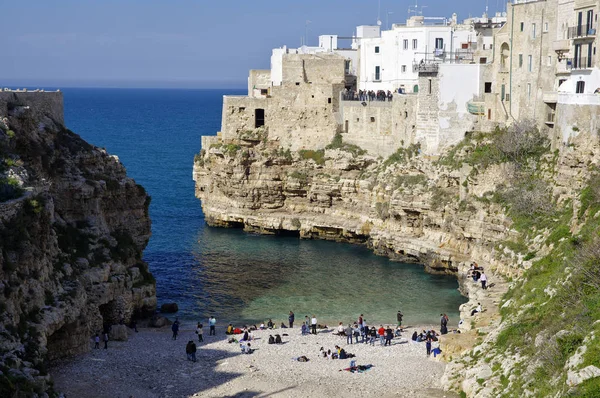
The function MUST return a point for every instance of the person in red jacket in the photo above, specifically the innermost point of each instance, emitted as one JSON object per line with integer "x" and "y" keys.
{"x": 381, "y": 333}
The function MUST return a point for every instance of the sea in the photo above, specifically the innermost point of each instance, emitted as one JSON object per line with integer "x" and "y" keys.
{"x": 238, "y": 277}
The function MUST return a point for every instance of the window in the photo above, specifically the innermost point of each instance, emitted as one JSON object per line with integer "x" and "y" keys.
{"x": 590, "y": 21}
{"x": 533, "y": 31}
{"x": 491, "y": 46}
{"x": 580, "y": 87}
{"x": 483, "y": 60}
{"x": 439, "y": 43}
{"x": 376, "y": 49}
{"x": 264, "y": 91}
{"x": 549, "y": 60}
{"x": 377, "y": 74}
{"x": 429, "y": 86}
{"x": 465, "y": 46}
{"x": 403, "y": 68}
{"x": 405, "y": 44}
{"x": 241, "y": 109}
{"x": 488, "y": 87}
{"x": 529, "y": 63}
{"x": 414, "y": 44}
{"x": 522, "y": 26}
{"x": 545, "y": 26}
{"x": 329, "y": 100}
{"x": 520, "y": 60}
{"x": 503, "y": 93}
{"x": 528, "y": 90}
{"x": 259, "y": 117}
{"x": 372, "y": 119}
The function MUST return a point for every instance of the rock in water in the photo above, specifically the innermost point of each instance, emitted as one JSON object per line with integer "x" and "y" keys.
{"x": 169, "y": 308}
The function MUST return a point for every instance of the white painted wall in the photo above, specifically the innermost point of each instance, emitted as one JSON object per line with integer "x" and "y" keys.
{"x": 396, "y": 62}
{"x": 591, "y": 79}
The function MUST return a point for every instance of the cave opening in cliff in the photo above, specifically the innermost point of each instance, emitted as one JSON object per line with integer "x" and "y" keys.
{"x": 109, "y": 313}
{"x": 288, "y": 233}
{"x": 71, "y": 339}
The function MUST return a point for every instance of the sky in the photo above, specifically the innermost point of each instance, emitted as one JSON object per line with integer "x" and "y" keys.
{"x": 178, "y": 43}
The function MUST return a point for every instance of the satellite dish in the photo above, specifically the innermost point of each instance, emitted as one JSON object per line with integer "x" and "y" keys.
{"x": 378, "y": 22}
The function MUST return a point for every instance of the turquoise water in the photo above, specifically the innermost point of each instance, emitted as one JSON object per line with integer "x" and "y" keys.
{"x": 239, "y": 277}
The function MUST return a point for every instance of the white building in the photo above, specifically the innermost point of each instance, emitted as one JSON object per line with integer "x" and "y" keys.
{"x": 387, "y": 62}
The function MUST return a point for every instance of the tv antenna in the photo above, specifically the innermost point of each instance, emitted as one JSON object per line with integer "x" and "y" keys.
{"x": 415, "y": 9}
{"x": 379, "y": 13}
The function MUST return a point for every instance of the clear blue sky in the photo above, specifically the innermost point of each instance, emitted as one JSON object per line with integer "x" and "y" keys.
{"x": 199, "y": 43}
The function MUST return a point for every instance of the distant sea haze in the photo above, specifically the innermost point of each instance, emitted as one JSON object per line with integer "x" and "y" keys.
{"x": 239, "y": 277}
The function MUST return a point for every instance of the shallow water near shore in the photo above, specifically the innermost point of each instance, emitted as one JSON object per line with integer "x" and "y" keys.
{"x": 239, "y": 277}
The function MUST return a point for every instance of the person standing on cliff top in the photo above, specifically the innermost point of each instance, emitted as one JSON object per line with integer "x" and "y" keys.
{"x": 211, "y": 323}
{"x": 291, "y": 319}
{"x": 483, "y": 279}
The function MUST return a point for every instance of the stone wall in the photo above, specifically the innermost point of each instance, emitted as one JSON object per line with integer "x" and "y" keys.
{"x": 380, "y": 127}
{"x": 36, "y": 105}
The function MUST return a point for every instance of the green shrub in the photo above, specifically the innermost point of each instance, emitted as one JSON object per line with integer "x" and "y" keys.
{"x": 402, "y": 155}
{"x": 338, "y": 143}
{"x": 410, "y": 180}
{"x": 318, "y": 156}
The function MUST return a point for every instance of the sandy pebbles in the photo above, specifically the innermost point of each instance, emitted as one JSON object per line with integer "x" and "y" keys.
{"x": 150, "y": 365}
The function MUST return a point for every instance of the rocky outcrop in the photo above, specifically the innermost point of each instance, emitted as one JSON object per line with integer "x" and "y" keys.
{"x": 72, "y": 230}
{"x": 409, "y": 211}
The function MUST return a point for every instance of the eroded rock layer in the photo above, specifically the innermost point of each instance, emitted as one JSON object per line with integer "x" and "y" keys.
{"x": 72, "y": 230}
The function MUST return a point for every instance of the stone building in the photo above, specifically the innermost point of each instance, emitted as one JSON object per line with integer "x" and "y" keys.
{"x": 301, "y": 112}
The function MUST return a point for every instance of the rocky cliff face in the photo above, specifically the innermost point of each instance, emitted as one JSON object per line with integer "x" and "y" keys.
{"x": 407, "y": 208}
{"x": 72, "y": 230}
{"x": 504, "y": 200}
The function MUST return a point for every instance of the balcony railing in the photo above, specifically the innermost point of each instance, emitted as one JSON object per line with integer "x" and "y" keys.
{"x": 476, "y": 108}
{"x": 425, "y": 67}
{"x": 582, "y": 63}
{"x": 580, "y": 31}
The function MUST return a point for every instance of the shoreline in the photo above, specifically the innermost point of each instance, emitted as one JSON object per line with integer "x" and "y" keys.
{"x": 151, "y": 364}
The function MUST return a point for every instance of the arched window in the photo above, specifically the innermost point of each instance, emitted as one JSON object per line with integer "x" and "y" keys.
{"x": 416, "y": 88}
{"x": 504, "y": 54}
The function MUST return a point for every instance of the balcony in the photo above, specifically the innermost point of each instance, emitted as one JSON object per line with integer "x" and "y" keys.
{"x": 582, "y": 63}
{"x": 580, "y": 32}
{"x": 550, "y": 97}
{"x": 476, "y": 108}
{"x": 425, "y": 67}
{"x": 550, "y": 118}
{"x": 561, "y": 46}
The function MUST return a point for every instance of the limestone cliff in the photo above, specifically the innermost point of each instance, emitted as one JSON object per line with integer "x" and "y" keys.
{"x": 72, "y": 230}
{"x": 505, "y": 199}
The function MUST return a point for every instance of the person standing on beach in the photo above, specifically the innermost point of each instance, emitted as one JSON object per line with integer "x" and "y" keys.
{"x": 399, "y": 316}
{"x": 443, "y": 324}
{"x": 389, "y": 335}
{"x": 175, "y": 329}
{"x": 428, "y": 346}
{"x": 307, "y": 322}
{"x": 106, "y": 341}
{"x": 211, "y": 323}
{"x": 313, "y": 324}
{"x": 348, "y": 332}
{"x": 96, "y": 341}
{"x": 200, "y": 332}
{"x": 381, "y": 333}
{"x": 291, "y": 319}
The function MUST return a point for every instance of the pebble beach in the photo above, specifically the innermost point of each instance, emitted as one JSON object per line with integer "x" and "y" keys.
{"x": 150, "y": 364}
